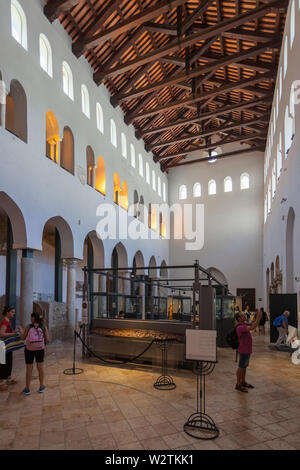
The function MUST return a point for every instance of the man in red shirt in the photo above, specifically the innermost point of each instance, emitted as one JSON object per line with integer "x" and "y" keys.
{"x": 245, "y": 349}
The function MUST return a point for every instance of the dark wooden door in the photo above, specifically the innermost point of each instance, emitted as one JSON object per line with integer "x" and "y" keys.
{"x": 248, "y": 297}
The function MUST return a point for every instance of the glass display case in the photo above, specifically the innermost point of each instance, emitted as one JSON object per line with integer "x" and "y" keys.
{"x": 156, "y": 308}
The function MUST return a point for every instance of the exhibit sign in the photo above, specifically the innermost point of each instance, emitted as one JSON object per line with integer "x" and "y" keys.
{"x": 201, "y": 345}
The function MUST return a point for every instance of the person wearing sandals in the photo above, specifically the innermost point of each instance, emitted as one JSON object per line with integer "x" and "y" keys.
{"x": 6, "y": 330}
{"x": 243, "y": 331}
{"x": 36, "y": 337}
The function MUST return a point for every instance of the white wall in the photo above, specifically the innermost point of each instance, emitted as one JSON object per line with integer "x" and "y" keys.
{"x": 232, "y": 221}
{"x": 39, "y": 187}
{"x": 287, "y": 186}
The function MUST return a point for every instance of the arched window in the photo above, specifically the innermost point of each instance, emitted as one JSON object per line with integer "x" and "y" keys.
{"x": 162, "y": 226}
{"x": 274, "y": 178}
{"x": 149, "y": 215}
{"x": 67, "y": 80}
{"x": 212, "y": 187}
{"x": 292, "y": 23}
{"x": 154, "y": 219}
{"x": 227, "y": 184}
{"x": 183, "y": 192}
{"x": 16, "y": 111}
{"x": 285, "y": 56}
{"x": 45, "y": 55}
{"x": 100, "y": 181}
{"x": 289, "y": 123}
{"x": 279, "y": 157}
{"x": 142, "y": 209}
{"x": 153, "y": 180}
{"x": 67, "y": 151}
{"x": 141, "y": 165}
{"x": 135, "y": 203}
{"x": 85, "y": 101}
{"x": 280, "y": 83}
{"x": 117, "y": 189}
{"x": 124, "y": 196}
{"x": 123, "y": 145}
{"x": 90, "y": 165}
{"x": 245, "y": 181}
{"x": 159, "y": 186}
{"x": 52, "y": 136}
{"x": 18, "y": 23}
{"x": 197, "y": 190}
{"x": 164, "y": 192}
{"x": 113, "y": 133}
{"x": 99, "y": 118}
{"x": 147, "y": 173}
{"x": 132, "y": 155}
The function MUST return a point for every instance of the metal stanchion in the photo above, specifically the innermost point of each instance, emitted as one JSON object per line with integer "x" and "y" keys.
{"x": 199, "y": 424}
{"x": 74, "y": 370}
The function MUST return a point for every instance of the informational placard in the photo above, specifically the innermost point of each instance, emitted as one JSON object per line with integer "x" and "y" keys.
{"x": 201, "y": 345}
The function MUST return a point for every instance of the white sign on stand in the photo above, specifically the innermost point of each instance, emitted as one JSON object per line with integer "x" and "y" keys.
{"x": 201, "y": 345}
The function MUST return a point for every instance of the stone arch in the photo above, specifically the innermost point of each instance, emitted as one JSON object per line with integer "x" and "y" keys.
{"x": 152, "y": 264}
{"x": 16, "y": 111}
{"x": 218, "y": 275}
{"x": 66, "y": 236}
{"x": 290, "y": 251}
{"x": 16, "y": 219}
{"x": 139, "y": 262}
{"x": 90, "y": 165}
{"x": 98, "y": 249}
{"x": 122, "y": 255}
{"x": 67, "y": 151}
{"x": 163, "y": 272}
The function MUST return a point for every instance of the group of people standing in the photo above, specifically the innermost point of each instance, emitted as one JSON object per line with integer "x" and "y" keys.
{"x": 36, "y": 336}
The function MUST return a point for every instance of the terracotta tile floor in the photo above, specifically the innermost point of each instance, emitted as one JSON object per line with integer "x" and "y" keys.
{"x": 118, "y": 408}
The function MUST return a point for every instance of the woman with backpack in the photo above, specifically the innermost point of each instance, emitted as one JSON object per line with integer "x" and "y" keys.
{"x": 36, "y": 337}
{"x": 6, "y": 330}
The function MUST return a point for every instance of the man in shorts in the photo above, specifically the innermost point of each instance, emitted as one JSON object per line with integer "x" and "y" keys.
{"x": 243, "y": 331}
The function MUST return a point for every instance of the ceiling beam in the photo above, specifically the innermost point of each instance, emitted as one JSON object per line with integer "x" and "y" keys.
{"x": 243, "y": 34}
{"x": 205, "y": 148}
{"x": 54, "y": 8}
{"x": 180, "y": 43}
{"x": 220, "y": 157}
{"x": 200, "y": 96}
{"x": 161, "y": 28}
{"x": 89, "y": 42}
{"x": 206, "y": 133}
{"x": 195, "y": 15}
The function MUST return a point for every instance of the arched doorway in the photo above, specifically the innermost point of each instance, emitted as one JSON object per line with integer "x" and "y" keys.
{"x": 12, "y": 236}
{"x": 116, "y": 282}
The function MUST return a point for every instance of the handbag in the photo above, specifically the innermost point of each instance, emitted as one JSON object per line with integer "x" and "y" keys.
{"x": 14, "y": 342}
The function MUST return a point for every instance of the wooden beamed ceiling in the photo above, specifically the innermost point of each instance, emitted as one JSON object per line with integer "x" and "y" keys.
{"x": 190, "y": 75}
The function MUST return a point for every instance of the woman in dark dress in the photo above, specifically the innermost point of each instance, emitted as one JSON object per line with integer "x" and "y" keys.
{"x": 263, "y": 320}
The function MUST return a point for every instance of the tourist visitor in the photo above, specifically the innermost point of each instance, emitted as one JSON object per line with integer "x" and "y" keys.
{"x": 262, "y": 322}
{"x": 6, "y": 331}
{"x": 281, "y": 324}
{"x": 121, "y": 315}
{"x": 243, "y": 330}
{"x": 36, "y": 337}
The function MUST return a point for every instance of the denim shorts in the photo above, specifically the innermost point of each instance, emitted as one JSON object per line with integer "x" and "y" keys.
{"x": 244, "y": 361}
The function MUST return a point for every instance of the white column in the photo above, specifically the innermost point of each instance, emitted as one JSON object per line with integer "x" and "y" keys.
{"x": 102, "y": 288}
{"x": 142, "y": 294}
{"x": 26, "y": 290}
{"x": 71, "y": 291}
